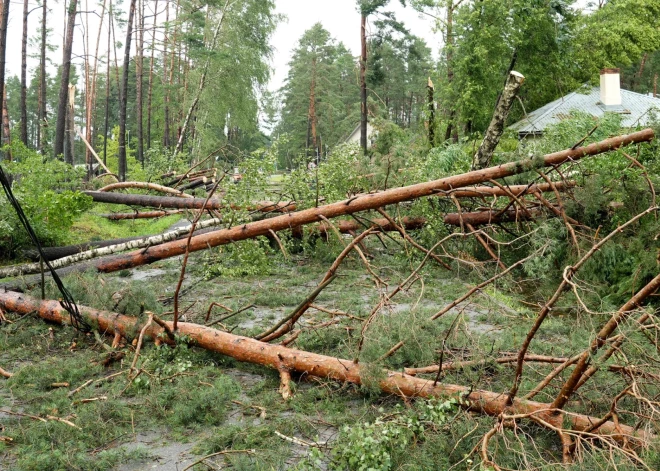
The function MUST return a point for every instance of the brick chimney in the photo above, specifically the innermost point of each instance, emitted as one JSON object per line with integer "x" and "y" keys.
{"x": 610, "y": 87}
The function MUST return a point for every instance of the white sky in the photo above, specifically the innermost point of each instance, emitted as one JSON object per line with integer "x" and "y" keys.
{"x": 340, "y": 17}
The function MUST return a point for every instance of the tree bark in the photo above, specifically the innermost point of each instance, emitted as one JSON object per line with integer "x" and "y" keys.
{"x": 24, "y": 138}
{"x": 481, "y": 218}
{"x": 363, "y": 84}
{"x": 124, "y": 94}
{"x": 90, "y": 93}
{"x": 41, "y": 122}
{"x": 4, "y": 18}
{"x": 248, "y": 350}
{"x": 107, "y": 90}
{"x": 362, "y": 203}
{"x": 496, "y": 127}
{"x": 139, "y": 62}
{"x": 166, "y": 96}
{"x": 151, "y": 75}
{"x": 431, "y": 104}
{"x": 60, "y": 126}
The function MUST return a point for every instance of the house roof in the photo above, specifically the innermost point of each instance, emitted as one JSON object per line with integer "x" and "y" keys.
{"x": 635, "y": 110}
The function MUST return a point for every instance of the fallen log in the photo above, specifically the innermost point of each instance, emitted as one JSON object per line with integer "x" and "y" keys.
{"x": 516, "y": 190}
{"x": 361, "y": 203}
{"x": 140, "y": 215}
{"x": 283, "y": 358}
{"x": 93, "y": 250}
{"x": 143, "y": 186}
{"x": 163, "y": 202}
{"x": 480, "y": 218}
{"x": 53, "y": 253}
{"x": 31, "y": 268}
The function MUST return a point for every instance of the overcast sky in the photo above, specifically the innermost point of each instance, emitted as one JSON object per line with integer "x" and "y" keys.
{"x": 340, "y": 17}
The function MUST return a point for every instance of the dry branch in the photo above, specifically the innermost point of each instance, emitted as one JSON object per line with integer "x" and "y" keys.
{"x": 360, "y": 203}
{"x": 278, "y": 357}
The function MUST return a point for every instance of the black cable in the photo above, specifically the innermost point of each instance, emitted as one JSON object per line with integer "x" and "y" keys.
{"x": 67, "y": 301}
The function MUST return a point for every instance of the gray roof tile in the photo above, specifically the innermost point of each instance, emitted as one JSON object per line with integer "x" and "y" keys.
{"x": 635, "y": 110}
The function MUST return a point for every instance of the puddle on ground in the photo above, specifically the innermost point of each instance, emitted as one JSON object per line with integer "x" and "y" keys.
{"x": 166, "y": 455}
{"x": 141, "y": 275}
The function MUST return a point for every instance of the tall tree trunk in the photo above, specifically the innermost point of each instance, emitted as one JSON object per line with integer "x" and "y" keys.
{"x": 6, "y": 129}
{"x": 151, "y": 76}
{"x": 107, "y": 90}
{"x": 452, "y": 129}
{"x": 124, "y": 94}
{"x": 24, "y": 138}
{"x": 166, "y": 109}
{"x": 90, "y": 96}
{"x": 363, "y": 84}
{"x": 4, "y": 17}
{"x": 139, "y": 62}
{"x": 70, "y": 123}
{"x": 41, "y": 122}
{"x": 60, "y": 126}
{"x": 431, "y": 90}
{"x": 312, "y": 109}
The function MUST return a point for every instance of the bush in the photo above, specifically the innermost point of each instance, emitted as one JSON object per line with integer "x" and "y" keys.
{"x": 46, "y": 190}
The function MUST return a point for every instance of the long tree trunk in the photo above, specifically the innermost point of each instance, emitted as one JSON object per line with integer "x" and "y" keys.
{"x": 452, "y": 129}
{"x": 151, "y": 75}
{"x": 6, "y": 128}
{"x": 364, "y": 203}
{"x": 139, "y": 62}
{"x": 124, "y": 94}
{"x": 4, "y": 18}
{"x": 166, "y": 97}
{"x": 41, "y": 122}
{"x": 70, "y": 126}
{"x": 24, "y": 138}
{"x": 202, "y": 83}
{"x": 312, "y": 109}
{"x": 245, "y": 349}
{"x": 91, "y": 96}
{"x": 107, "y": 91}
{"x": 363, "y": 84}
{"x": 60, "y": 127}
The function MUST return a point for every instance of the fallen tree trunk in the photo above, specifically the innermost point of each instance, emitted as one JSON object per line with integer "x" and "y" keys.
{"x": 31, "y": 268}
{"x": 361, "y": 203}
{"x": 182, "y": 203}
{"x": 103, "y": 248}
{"x": 140, "y": 215}
{"x": 287, "y": 359}
{"x": 143, "y": 186}
{"x": 480, "y": 218}
{"x": 53, "y": 253}
{"x": 516, "y": 190}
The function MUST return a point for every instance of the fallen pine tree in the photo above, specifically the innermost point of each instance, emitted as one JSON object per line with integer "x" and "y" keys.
{"x": 360, "y": 203}
{"x": 139, "y": 215}
{"x": 287, "y": 360}
{"x": 173, "y": 202}
{"x": 72, "y": 254}
{"x": 480, "y": 218}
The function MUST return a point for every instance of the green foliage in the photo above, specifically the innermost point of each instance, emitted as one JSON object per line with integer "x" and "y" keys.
{"x": 46, "y": 192}
{"x": 378, "y": 445}
{"x": 246, "y": 258}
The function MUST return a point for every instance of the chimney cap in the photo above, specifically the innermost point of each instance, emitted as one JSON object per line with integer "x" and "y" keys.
{"x": 609, "y": 71}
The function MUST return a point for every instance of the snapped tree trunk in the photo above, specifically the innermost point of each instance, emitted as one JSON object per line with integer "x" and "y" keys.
{"x": 361, "y": 203}
{"x": 60, "y": 126}
{"x": 496, "y": 127}
{"x": 248, "y": 350}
